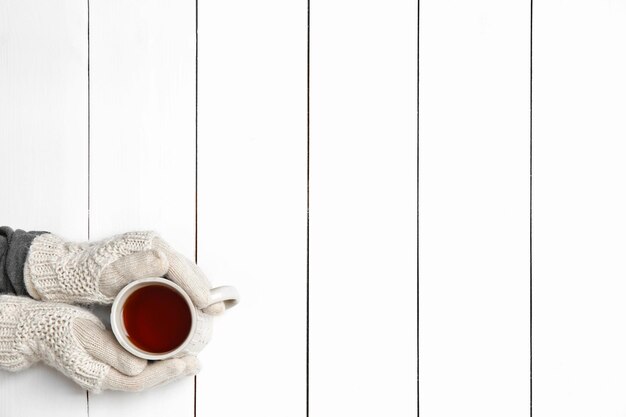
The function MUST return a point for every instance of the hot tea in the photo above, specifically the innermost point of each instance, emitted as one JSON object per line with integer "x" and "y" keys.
{"x": 157, "y": 319}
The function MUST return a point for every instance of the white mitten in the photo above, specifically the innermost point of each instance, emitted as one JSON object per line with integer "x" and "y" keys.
{"x": 57, "y": 270}
{"x": 75, "y": 342}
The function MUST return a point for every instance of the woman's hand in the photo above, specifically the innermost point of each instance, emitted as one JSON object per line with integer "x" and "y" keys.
{"x": 76, "y": 343}
{"x": 56, "y": 270}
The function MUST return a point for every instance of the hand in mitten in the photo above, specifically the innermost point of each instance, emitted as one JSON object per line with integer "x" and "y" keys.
{"x": 56, "y": 270}
{"x": 76, "y": 343}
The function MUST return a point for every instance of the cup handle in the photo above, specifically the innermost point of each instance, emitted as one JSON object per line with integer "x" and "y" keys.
{"x": 227, "y": 294}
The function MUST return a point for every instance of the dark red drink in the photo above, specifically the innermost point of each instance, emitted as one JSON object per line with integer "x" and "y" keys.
{"x": 157, "y": 318}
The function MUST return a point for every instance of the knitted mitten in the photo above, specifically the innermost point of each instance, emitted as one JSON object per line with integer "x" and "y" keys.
{"x": 75, "y": 342}
{"x": 57, "y": 270}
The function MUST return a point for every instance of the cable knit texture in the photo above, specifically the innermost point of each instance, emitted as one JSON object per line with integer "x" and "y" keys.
{"x": 56, "y": 270}
{"x": 31, "y": 331}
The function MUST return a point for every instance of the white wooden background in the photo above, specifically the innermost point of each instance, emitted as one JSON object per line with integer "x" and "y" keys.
{"x": 277, "y": 141}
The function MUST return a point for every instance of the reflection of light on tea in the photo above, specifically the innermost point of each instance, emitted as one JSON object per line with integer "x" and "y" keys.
{"x": 157, "y": 318}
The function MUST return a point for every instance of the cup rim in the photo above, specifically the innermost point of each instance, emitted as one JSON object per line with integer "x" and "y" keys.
{"x": 117, "y": 319}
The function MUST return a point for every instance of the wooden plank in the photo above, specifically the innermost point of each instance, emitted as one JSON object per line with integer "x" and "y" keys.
{"x": 578, "y": 208}
{"x": 363, "y": 208}
{"x": 474, "y": 208}
{"x": 143, "y": 147}
{"x": 252, "y": 203}
{"x": 43, "y": 143}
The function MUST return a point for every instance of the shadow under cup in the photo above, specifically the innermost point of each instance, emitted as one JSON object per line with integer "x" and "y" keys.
{"x": 153, "y": 318}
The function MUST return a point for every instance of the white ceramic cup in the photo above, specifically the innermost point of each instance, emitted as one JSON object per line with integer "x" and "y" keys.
{"x": 200, "y": 323}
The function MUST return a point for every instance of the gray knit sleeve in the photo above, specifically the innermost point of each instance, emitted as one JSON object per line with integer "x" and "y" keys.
{"x": 14, "y": 246}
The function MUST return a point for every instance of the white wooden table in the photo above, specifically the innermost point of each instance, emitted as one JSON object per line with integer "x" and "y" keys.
{"x": 193, "y": 119}
{"x": 277, "y": 143}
